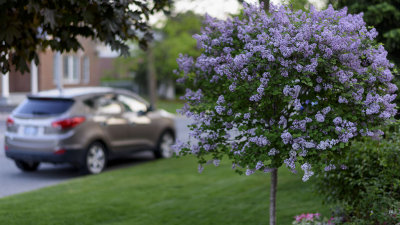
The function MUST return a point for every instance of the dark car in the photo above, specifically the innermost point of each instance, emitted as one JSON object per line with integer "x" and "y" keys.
{"x": 85, "y": 127}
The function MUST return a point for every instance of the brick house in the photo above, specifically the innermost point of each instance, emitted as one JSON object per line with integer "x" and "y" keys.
{"x": 79, "y": 68}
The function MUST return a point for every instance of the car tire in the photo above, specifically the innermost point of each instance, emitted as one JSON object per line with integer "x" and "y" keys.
{"x": 27, "y": 166}
{"x": 164, "y": 145}
{"x": 95, "y": 159}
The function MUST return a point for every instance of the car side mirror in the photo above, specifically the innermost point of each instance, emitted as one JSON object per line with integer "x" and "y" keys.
{"x": 149, "y": 109}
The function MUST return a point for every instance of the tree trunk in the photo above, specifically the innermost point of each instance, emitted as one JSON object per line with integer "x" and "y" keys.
{"x": 272, "y": 198}
{"x": 266, "y": 4}
{"x": 151, "y": 77}
{"x": 170, "y": 90}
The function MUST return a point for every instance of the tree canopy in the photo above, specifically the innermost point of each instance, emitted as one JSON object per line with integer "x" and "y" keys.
{"x": 31, "y": 26}
{"x": 291, "y": 86}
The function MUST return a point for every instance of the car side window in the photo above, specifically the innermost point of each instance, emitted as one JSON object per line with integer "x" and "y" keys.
{"x": 131, "y": 105}
{"x": 108, "y": 105}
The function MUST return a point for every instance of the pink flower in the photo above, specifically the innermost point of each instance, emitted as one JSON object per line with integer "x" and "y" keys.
{"x": 300, "y": 217}
{"x": 310, "y": 216}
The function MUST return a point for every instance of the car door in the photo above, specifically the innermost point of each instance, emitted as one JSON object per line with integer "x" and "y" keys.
{"x": 141, "y": 126}
{"x": 109, "y": 114}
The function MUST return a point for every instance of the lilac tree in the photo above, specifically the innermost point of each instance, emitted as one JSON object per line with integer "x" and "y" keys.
{"x": 284, "y": 88}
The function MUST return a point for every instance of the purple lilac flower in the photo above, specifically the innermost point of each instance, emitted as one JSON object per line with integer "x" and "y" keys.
{"x": 286, "y": 137}
{"x": 329, "y": 167}
{"x": 233, "y": 166}
{"x": 342, "y": 100}
{"x": 319, "y": 117}
{"x": 259, "y": 165}
{"x": 230, "y": 112}
{"x": 273, "y": 152}
{"x": 178, "y": 146}
{"x": 323, "y": 145}
{"x": 249, "y": 172}
{"x": 337, "y": 121}
{"x": 185, "y": 63}
{"x": 282, "y": 121}
{"x": 317, "y": 88}
{"x": 219, "y": 109}
{"x": 232, "y": 87}
{"x": 326, "y": 110}
{"x": 297, "y": 105}
{"x": 200, "y": 168}
{"x": 372, "y": 109}
{"x": 221, "y": 100}
{"x": 309, "y": 144}
{"x": 290, "y": 163}
{"x": 306, "y": 167}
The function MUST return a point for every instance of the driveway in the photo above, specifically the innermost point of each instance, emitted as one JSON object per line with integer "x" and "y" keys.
{"x": 13, "y": 181}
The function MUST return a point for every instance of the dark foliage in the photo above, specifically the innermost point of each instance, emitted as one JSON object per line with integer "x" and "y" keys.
{"x": 30, "y": 26}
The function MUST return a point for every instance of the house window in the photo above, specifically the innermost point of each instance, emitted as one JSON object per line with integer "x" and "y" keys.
{"x": 86, "y": 69}
{"x": 71, "y": 69}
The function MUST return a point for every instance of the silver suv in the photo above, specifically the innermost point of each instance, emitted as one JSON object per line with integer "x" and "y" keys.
{"x": 85, "y": 127}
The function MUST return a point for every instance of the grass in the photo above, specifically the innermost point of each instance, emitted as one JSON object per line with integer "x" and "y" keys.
{"x": 166, "y": 192}
{"x": 169, "y": 105}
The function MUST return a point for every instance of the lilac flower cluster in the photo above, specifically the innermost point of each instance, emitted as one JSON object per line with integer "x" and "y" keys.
{"x": 300, "y": 82}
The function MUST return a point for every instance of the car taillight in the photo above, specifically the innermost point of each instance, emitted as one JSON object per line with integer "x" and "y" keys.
{"x": 6, "y": 147}
{"x": 59, "y": 152}
{"x": 68, "y": 123}
{"x": 9, "y": 122}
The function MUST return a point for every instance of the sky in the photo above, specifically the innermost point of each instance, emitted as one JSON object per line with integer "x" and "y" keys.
{"x": 222, "y": 8}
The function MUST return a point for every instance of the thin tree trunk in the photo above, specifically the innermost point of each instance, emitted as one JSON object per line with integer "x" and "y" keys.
{"x": 266, "y": 4}
{"x": 151, "y": 77}
{"x": 272, "y": 198}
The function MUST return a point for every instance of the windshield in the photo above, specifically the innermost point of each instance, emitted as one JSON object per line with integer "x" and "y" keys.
{"x": 44, "y": 106}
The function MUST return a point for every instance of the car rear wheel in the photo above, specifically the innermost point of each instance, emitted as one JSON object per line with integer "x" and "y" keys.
{"x": 164, "y": 146}
{"x": 95, "y": 159}
{"x": 27, "y": 166}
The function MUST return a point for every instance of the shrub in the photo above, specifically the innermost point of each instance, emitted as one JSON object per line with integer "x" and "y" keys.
{"x": 367, "y": 186}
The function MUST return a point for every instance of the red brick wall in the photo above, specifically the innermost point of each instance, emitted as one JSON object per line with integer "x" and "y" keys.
{"x": 19, "y": 82}
{"x": 46, "y": 79}
{"x": 22, "y": 83}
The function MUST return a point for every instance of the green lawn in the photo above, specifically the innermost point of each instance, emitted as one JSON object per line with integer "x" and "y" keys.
{"x": 170, "y": 105}
{"x": 162, "y": 192}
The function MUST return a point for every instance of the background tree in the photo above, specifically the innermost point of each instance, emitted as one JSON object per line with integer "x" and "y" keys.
{"x": 29, "y": 26}
{"x": 284, "y": 88}
{"x": 174, "y": 37}
{"x": 384, "y": 15}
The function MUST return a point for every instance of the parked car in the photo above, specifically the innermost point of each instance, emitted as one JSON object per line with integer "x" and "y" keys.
{"x": 85, "y": 127}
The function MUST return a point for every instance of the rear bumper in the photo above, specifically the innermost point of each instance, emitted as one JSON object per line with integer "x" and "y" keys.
{"x": 75, "y": 157}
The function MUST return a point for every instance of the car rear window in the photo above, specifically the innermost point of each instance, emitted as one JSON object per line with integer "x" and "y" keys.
{"x": 44, "y": 106}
